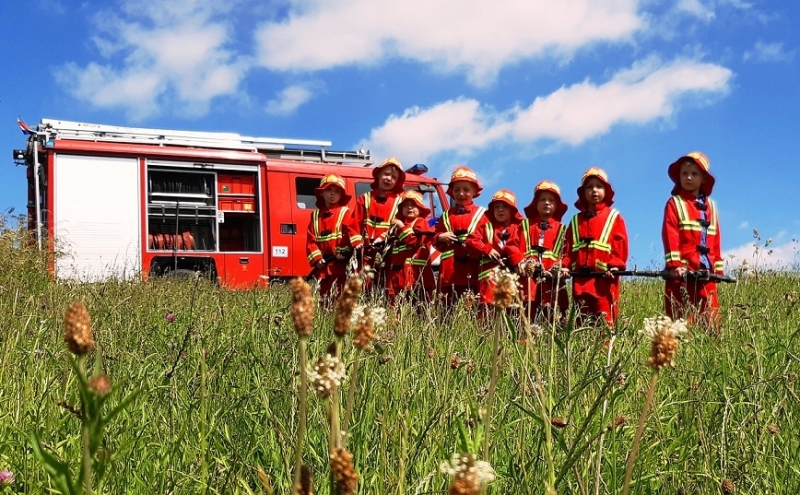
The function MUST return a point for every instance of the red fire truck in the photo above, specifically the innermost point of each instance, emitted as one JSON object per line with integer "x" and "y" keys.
{"x": 123, "y": 202}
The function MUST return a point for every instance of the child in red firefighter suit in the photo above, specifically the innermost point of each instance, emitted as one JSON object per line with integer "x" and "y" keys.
{"x": 691, "y": 237}
{"x": 496, "y": 243}
{"x": 458, "y": 271}
{"x": 596, "y": 241}
{"x": 410, "y": 271}
{"x": 331, "y": 235}
{"x": 376, "y": 211}
{"x": 542, "y": 243}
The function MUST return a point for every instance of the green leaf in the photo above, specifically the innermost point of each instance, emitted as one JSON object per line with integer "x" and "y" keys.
{"x": 57, "y": 470}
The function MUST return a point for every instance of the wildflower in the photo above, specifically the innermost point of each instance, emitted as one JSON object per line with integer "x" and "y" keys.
{"x": 773, "y": 429}
{"x": 170, "y": 317}
{"x": 468, "y": 474}
{"x": 6, "y": 478}
{"x": 662, "y": 332}
{"x": 727, "y": 486}
{"x": 431, "y": 352}
{"x": 528, "y": 267}
{"x": 78, "y": 329}
{"x": 343, "y": 471}
{"x": 470, "y": 300}
{"x": 558, "y": 422}
{"x": 505, "y": 289}
{"x": 345, "y": 305}
{"x": 618, "y": 421}
{"x": 100, "y": 384}
{"x": 365, "y": 320}
{"x": 326, "y": 375}
{"x": 302, "y": 307}
{"x": 455, "y": 362}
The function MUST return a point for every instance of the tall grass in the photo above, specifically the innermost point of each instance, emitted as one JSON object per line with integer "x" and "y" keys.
{"x": 728, "y": 411}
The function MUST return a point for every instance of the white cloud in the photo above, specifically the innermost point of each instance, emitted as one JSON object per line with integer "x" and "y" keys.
{"x": 646, "y": 92}
{"x": 290, "y": 99}
{"x": 476, "y": 36}
{"x": 159, "y": 54}
{"x": 768, "y": 52}
{"x": 744, "y": 224}
{"x": 765, "y": 257}
{"x": 696, "y": 8}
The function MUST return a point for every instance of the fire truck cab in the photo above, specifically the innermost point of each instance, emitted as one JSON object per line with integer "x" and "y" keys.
{"x": 123, "y": 202}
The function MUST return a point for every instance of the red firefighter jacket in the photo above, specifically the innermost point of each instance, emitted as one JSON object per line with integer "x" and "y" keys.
{"x": 456, "y": 267}
{"x": 331, "y": 231}
{"x": 682, "y": 233}
{"x": 596, "y": 241}
{"x": 375, "y": 214}
{"x": 506, "y": 241}
{"x": 410, "y": 257}
{"x": 542, "y": 240}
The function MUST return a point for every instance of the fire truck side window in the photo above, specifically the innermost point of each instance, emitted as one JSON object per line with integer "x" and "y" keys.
{"x": 305, "y": 192}
{"x": 362, "y": 187}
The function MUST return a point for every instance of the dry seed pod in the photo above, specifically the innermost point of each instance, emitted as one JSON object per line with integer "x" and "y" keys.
{"x": 78, "y": 329}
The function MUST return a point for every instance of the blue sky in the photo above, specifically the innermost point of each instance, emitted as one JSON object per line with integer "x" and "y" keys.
{"x": 519, "y": 90}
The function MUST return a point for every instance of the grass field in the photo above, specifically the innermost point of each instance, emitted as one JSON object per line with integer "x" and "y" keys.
{"x": 218, "y": 393}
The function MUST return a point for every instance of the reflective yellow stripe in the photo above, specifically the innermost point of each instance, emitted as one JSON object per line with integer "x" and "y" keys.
{"x": 474, "y": 223}
{"x": 601, "y": 244}
{"x": 416, "y": 262}
{"x": 685, "y": 221}
{"x": 314, "y": 254}
{"x": 401, "y": 248}
{"x": 337, "y": 231}
{"x": 387, "y": 224}
{"x": 526, "y": 234}
{"x": 672, "y": 256}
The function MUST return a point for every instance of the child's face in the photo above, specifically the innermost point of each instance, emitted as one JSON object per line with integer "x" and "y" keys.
{"x": 691, "y": 177}
{"x": 409, "y": 210}
{"x": 463, "y": 192}
{"x": 502, "y": 212}
{"x": 332, "y": 195}
{"x": 387, "y": 178}
{"x": 546, "y": 204}
{"x": 594, "y": 191}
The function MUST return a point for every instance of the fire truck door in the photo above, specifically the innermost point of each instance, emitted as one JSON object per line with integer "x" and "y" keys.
{"x": 303, "y": 204}
{"x": 283, "y": 230}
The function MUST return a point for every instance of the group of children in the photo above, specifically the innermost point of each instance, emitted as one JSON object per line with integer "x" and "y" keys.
{"x": 389, "y": 231}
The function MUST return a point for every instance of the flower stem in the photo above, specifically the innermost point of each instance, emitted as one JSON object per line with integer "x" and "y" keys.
{"x": 86, "y": 457}
{"x": 351, "y": 393}
{"x": 302, "y": 413}
{"x": 638, "y": 436}
{"x": 492, "y": 384}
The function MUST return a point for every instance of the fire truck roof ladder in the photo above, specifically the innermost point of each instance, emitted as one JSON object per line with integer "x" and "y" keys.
{"x": 289, "y": 149}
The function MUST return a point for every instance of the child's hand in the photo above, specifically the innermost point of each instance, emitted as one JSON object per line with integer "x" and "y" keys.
{"x": 565, "y": 272}
{"x": 398, "y": 223}
{"x": 447, "y": 237}
{"x": 677, "y": 272}
{"x": 495, "y": 256}
{"x": 340, "y": 257}
{"x": 320, "y": 264}
{"x": 611, "y": 273}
